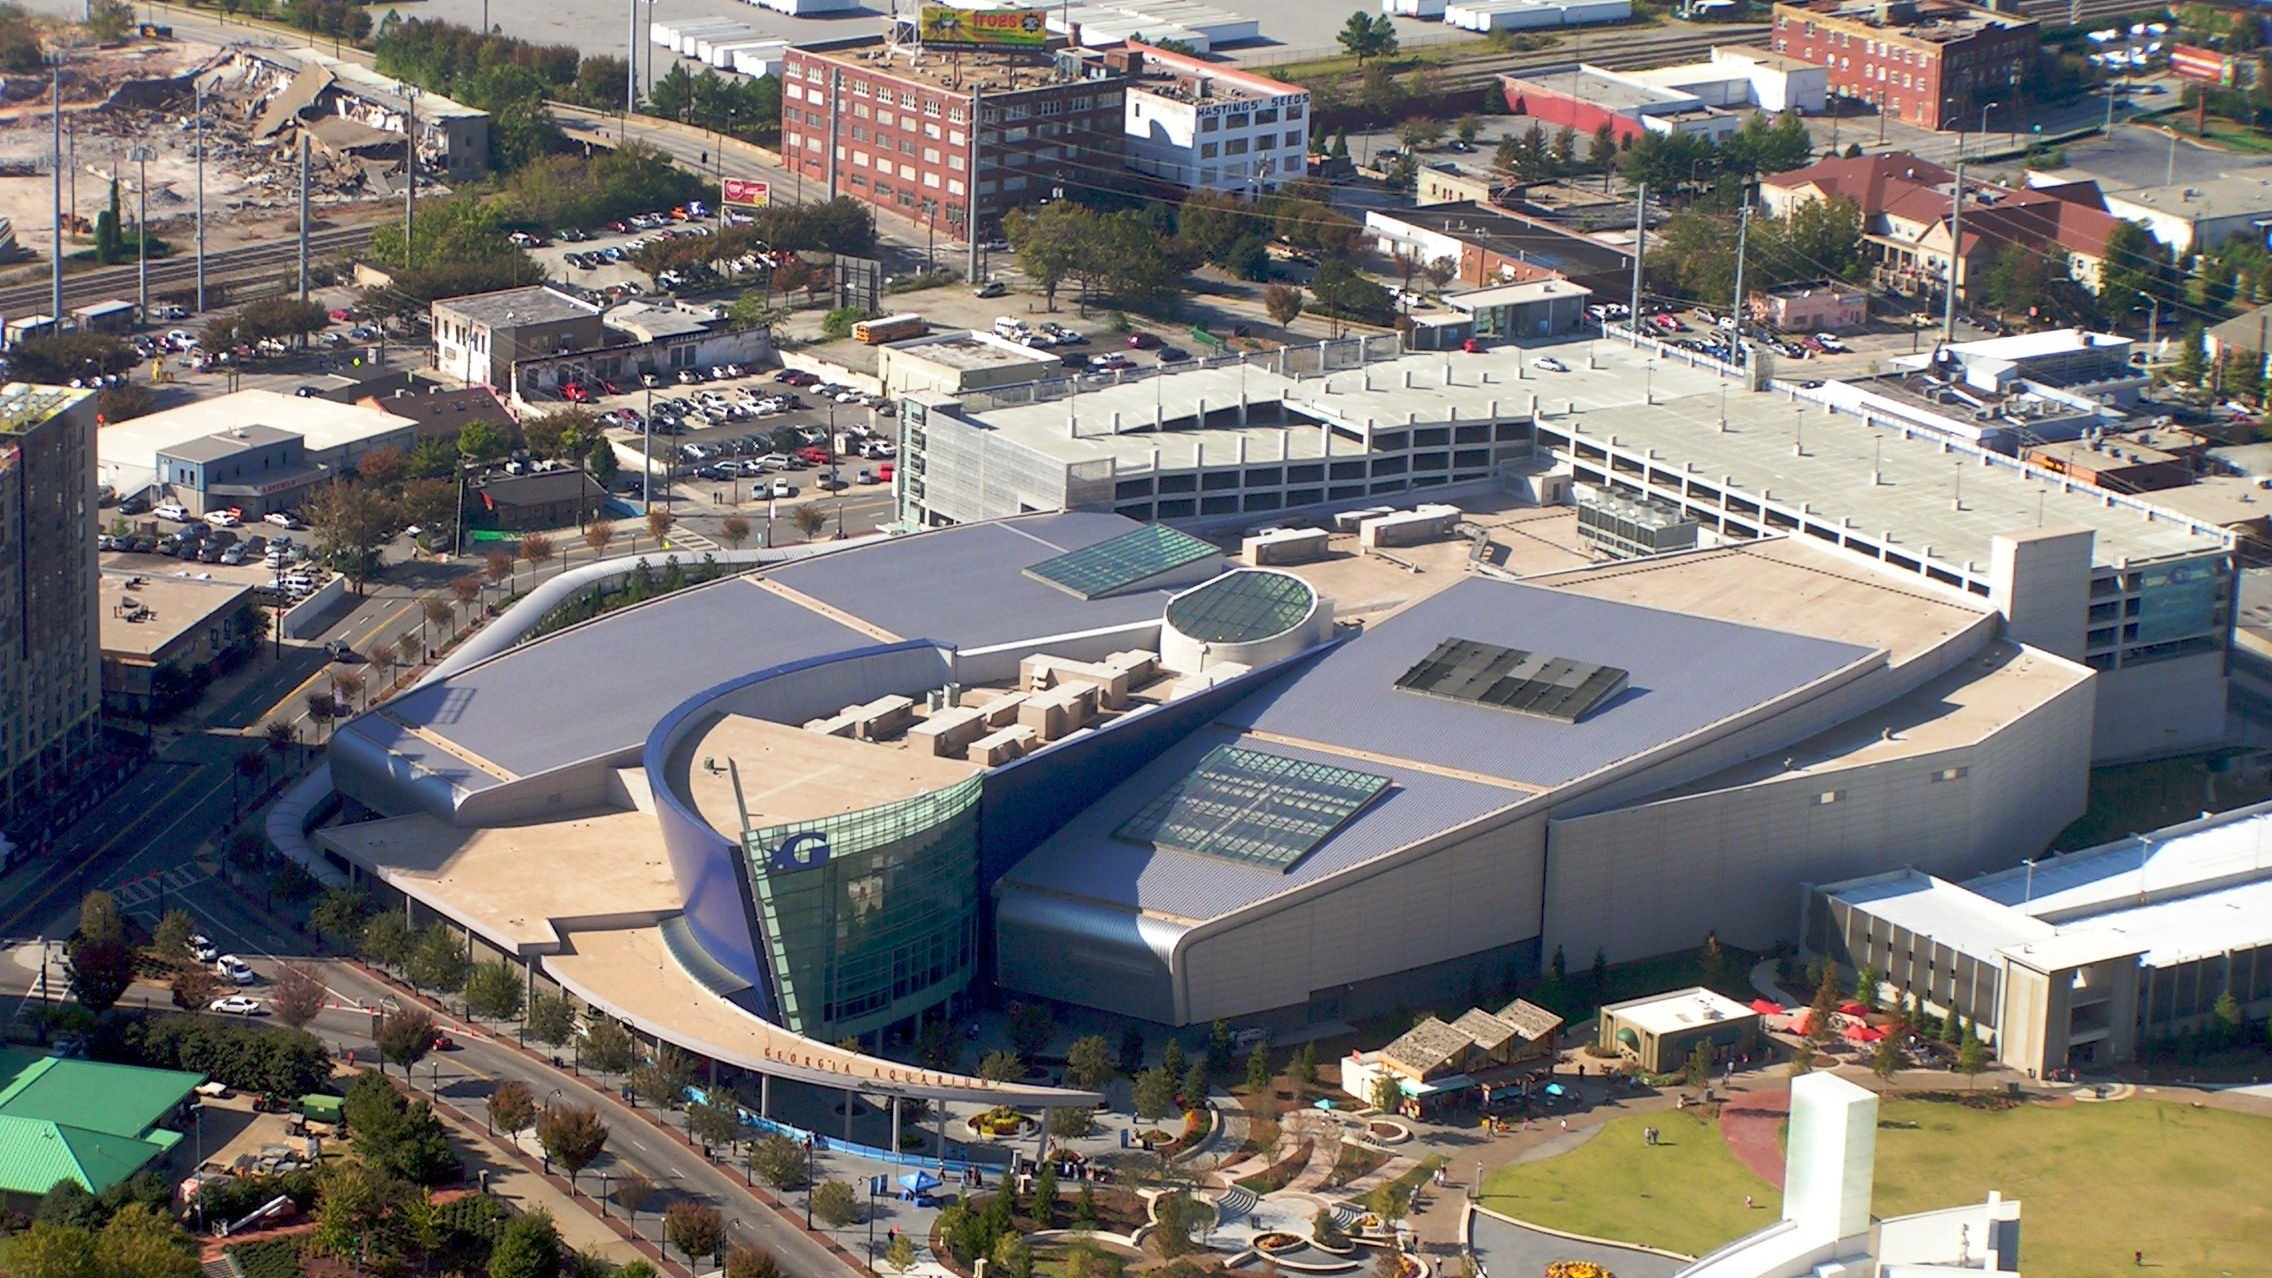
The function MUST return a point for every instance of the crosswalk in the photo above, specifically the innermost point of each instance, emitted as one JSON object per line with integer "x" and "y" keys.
{"x": 144, "y": 893}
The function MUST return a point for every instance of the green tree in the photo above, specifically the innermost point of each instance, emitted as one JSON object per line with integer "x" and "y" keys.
{"x": 1050, "y": 243}
{"x": 1085, "y": 1207}
{"x": 1885, "y": 1060}
{"x": 1011, "y": 1258}
{"x": 494, "y": 990}
{"x": 2229, "y": 1019}
{"x": 1325, "y": 1230}
{"x": 100, "y": 919}
{"x": 901, "y": 1253}
{"x": 1089, "y": 1062}
{"x": 1699, "y": 1067}
{"x": 438, "y": 959}
{"x": 662, "y": 1082}
{"x": 835, "y": 1203}
{"x": 169, "y": 941}
{"x": 778, "y": 1161}
{"x": 1030, "y": 1027}
{"x": 551, "y": 1019}
{"x": 1195, "y": 1084}
{"x": 388, "y": 940}
{"x": 298, "y": 996}
{"x": 608, "y": 1047}
{"x": 1971, "y": 1057}
{"x": 348, "y": 524}
{"x": 1258, "y": 1070}
{"x": 1305, "y": 1069}
{"x": 1368, "y": 36}
{"x": 528, "y": 1247}
{"x": 143, "y": 1242}
{"x": 341, "y": 914}
{"x": 1387, "y": 1097}
{"x": 1155, "y": 1093}
{"x": 1001, "y": 1066}
{"x": 1045, "y": 1195}
{"x": 1866, "y": 987}
{"x": 2191, "y": 365}
{"x": 716, "y": 1123}
{"x": 756, "y": 1262}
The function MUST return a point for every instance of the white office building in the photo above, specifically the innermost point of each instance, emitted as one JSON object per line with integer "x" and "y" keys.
{"x": 1207, "y": 126}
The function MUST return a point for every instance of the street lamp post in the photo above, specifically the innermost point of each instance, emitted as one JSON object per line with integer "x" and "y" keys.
{"x": 200, "y": 142}
{"x": 1983, "y": 129}
{"x": 808, "y": 1182}
{"x": 141, "y": 157}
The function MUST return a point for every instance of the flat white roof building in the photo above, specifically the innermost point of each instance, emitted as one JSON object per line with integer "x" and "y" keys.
{"x": 335, "y": 434}
{"x": 2133, "y": 938}
{"x": 1209, "y": 126}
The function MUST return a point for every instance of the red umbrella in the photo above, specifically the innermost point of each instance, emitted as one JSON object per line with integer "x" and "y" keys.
{"x": 1801, "y": 1021}
{"x": 1766, "y": 1007}
{"x": 1863, "y": 1034}
{"x": 1852, "y": 1008}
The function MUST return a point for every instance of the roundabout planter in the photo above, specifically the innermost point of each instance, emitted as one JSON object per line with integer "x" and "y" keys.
{"x": 1274, "y": 1241}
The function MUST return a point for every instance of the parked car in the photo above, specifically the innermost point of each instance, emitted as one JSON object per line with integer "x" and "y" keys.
{"x": 1550, "y": 364}
{"x": 1830, "y": 344}
{"x": 202, "y": 948}
{"x": 224, "y": 518}
{"x": 235, "y": 1005}
{"x": 234, "y": 970}
{"x": 173, "y": 510}
{"x": 992, "y": 288}
{"x": 1142, "y": 341}
{"x": 282, "y": 519}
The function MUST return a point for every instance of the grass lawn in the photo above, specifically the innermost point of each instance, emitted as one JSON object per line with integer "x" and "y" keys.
{"x": 1685, "y": 1195}
{"x": 2095, "y": 1182}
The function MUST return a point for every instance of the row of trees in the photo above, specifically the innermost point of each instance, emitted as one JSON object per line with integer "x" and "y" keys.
{"x": 1693, "y": 255}
{"x": 742, "y": 107}
{"x": 280, "y": 318}
{"x": 1673, "y": 161}
{"x": 1128, "y": 254}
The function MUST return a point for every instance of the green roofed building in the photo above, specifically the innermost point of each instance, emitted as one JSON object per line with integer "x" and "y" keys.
{"x": 84, "y": 1121}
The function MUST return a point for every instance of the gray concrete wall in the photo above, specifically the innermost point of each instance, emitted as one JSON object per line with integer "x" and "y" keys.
{"x": 1661, "y": 876}
{"x": 1473, "y": 890}
{"x": 2160, "y": 707}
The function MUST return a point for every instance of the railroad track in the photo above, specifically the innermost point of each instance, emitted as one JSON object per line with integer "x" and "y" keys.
{"x": 173, "y": 273}
{"x": 1621, "y": 56}
{"x": 2060, "y": 13}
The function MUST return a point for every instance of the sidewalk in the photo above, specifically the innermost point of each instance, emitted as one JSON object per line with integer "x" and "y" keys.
{"x": 528, "y": 1190}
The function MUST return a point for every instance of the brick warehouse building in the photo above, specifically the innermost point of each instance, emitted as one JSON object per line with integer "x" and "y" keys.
{"x": 893, "y": 126}
{"x": 1934, "y": 64}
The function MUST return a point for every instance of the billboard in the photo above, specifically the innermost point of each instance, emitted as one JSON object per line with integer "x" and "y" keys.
{"x": 2202, "y": 66}
{"x": 941, "y": 26}
{"x": 746, "y": 192}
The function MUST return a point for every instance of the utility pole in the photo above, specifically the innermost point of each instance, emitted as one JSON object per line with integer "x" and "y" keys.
{"x": 141, "y": 157}
{"x": 631, "y": 68}
{"x": 970, "y": 199}
{"x": 304, "y": 215}
{"x": 1956, "y": 256}
{"x": 56, "y": 319}
{"x": 1736, "y": 312}
{"x": 200, "y": 143}
{"x": 1640, "y": 241}
{"x": 410, "y": 179}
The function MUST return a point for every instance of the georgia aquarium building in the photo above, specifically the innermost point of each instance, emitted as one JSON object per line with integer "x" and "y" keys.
{"x": 1081, "y": 758}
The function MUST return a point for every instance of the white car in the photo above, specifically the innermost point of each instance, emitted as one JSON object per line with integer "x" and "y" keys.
{"x": 224, "y": 518}
{"x": 173, "y": 510}
{"x": 280, "y": 518}
{"x": 1550, "y": 364}
{"x": 202, "y": 946}
{"x": 1830, "y": 344}
{"x": 234, "y": 970}
{"x": 235, "y": 1005}
{"x": 782, "y": 488}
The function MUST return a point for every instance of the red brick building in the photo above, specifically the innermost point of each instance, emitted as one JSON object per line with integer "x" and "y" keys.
{"x": 861, "y": 119}
{"x": 1932, "y": 64}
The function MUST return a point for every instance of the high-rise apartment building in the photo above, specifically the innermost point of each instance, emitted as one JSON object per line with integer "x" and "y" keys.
{"x": 1936, "y": 65}
{"x": 50, "y": 659}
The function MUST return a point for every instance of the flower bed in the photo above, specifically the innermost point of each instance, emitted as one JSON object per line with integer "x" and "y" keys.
{"x": 1577, "y": 1269}
{"x": 999, "y": 1122}
{"x": 1278, "y": 1240}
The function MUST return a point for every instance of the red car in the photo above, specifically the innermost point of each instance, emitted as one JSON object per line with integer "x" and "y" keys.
{"x": 1142, "y": 341}
{"x": 443, "y": 1043}
{"x": 610, "y": 387}
{"x": 340, "y": 315}
{"x": 576, "y": 393}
